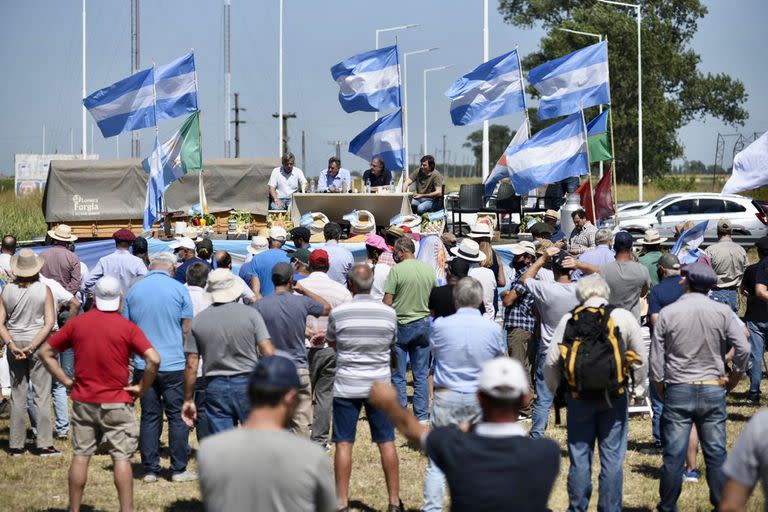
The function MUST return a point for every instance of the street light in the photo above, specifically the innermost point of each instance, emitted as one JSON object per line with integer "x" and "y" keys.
{"x": 429, "y": 70}
{"x": 639, "y": 94}
{"x": 405, "y": 98}
{"x": 391, "y": 29}
{"x": 599, "y": 39}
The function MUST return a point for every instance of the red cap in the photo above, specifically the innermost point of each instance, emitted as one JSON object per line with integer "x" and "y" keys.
{"x": 319, "y": 258}
{"x": 124, "y": 235}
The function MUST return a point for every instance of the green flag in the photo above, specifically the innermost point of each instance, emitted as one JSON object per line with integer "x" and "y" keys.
{"x": 181, "y": 154}
{"x": 598, "y": 139}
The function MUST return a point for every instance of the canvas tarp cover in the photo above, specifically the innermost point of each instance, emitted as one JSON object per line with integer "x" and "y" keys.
{"x": 98, "y": 190}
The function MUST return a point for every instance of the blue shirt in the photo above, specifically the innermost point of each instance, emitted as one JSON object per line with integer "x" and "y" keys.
{"x": 261, "y": 267}
{"x": 157, "y": 304}
{"x": 121, "y": 264}
{"x": 558, "y": 235}
{"x": 598, "y": 256}
{"x": 327, "y": 181}
{"x": 341, "y": 261}
{"x": 460, "y": 344}
{"x": 181, "y": 272}
{"x": 665, "y": 293}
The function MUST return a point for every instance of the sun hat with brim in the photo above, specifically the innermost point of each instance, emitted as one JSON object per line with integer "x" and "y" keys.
{"x": 377, "y": 242}
{"x": 63, "y": 233}
{"x": 26, "y": 263}
{"x": 524, "y": 247}
{"x": 480, "y": 230}
{"x": 258, "y": 245}
{"x": 107, "y": 294}
{"x": 552, "y": 214}
{"x": 651, "y": 237}
{"x": 223, "y": 286}
{"x": 183, "y": 243}
{"x": 468, "y": 250}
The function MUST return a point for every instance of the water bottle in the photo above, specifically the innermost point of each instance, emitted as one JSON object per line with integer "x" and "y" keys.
{"x": 391, "y": 183}
{"x": 312, "y": 186}
{"x": 367, "y": 187}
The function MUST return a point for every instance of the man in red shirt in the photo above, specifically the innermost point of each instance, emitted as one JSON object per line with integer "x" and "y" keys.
{"x": 103, "y": 342}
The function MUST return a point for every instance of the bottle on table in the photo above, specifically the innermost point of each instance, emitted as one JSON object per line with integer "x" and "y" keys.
{"x": 367, "y": 187}
{"x": 311, "y": 185}
{"x": 391, "y": 183}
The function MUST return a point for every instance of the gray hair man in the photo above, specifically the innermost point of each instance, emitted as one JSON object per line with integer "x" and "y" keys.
{"x": 600, "y": 417}
{"x": 601, "y": 254}
{"x": 285, "y": 181}
{"x": 729, "y": 260}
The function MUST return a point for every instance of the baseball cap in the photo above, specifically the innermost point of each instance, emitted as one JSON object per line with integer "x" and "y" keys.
{"x": 124, "y": 235}
{"x": 724, "y": 225}
{"x": 301, "y": 233}
{"x": 107, "y": 293}
{"x": 762, "y": 244}
{"x": 183, "y": 243}
{"x": 275, "y": 372}
{"x": 524, "y": 247}
{"x": 503, "y": 378}
{"x": 278, "y": 233}
{"x": 623, "y": 241}
{"x": 700, "y": 275}
{"x": 300, "y": 254}
{"x": 669, "y": 261}
{"x": 320, "y": 258}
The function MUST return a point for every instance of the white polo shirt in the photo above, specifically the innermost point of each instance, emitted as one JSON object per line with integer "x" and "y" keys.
{"x": 286, "y": 184}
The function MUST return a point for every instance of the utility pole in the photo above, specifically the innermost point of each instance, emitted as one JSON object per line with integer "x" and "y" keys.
{"x": 286, "y": 117}
{"x": 337, "y": 144}
{"x": 444, "y": 150}
{"x": 227, "y": 81}
{"x": 237, "y": 122}
{"x": 303, "y": 151}
{"x": 135, "y": 43}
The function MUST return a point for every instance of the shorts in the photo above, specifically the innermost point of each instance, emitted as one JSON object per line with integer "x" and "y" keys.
{"x": 114, "y": 423}
{"x": 346, "y": 412}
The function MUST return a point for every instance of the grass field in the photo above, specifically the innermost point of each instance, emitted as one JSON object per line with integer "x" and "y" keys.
{"x": 21, "y": 217}
{"x": 31, "y": 483}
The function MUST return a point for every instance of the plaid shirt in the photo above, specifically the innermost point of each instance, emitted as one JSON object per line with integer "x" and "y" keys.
{"x": 582, "y": 238}
{"x": 520, "y": 314}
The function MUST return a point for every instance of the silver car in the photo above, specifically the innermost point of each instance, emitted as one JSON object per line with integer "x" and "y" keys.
{"x": 746, "y": 215}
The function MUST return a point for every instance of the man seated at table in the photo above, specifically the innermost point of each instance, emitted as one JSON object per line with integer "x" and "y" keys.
{"x": 334, "y": 178}
{"x": 429, "y": 186}
{"x": 378, "y": 175}
{"x": 285, "y": 181}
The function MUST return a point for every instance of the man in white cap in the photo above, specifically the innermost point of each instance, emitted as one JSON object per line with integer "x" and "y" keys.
{"x": 102, "y": 404}
{"x": 258, "y": 245}
{"x": 494, "y": 465}
{"x": 186, "y": 252}
{"x": 729, "y": 260}
{"x": 257, "y": 273}
{"x": 62, "y": 265}
{"x": 228, "y": 355}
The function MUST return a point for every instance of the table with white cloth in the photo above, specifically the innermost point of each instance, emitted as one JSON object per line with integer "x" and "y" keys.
{"x": 383, "y": 206}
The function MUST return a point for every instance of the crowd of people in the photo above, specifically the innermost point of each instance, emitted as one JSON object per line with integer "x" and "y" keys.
{"x": 271, "y": 365}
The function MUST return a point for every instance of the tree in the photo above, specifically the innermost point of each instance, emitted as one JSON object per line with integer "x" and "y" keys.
{"x": 675, "y": 91}
{"x": 498, "y": 140}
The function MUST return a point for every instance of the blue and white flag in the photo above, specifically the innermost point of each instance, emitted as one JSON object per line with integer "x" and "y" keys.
{"x": 384, "y": 138}
{"x": 553, "y": 154}
{"x": 155, "y": 187}
{"x": 369, "y": 82}
{"x": 130, "y": 103}
{"x": 686, "y": 247}
{"x": 572, "y": 83}
{"x": 501, "y": 170}
{"x": 493, "y": 89}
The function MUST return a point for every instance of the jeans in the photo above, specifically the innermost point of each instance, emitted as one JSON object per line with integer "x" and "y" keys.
{"x": 165, "y": 394}
{"x": 449, "y": 408}
{"x": 322, "y": 373}
{"x": 757, "y": 331}
{"x": 684, "y": 405}
{"x": 202, "y": 428}
{"x": 286, "y": 204}
{"x": 727, "y": 297}
{"x": 226, "y": 402}
{"x": 590, "y": 421}
{"x": 544, "y": 400}
{"x": 422, "y": 205}
{"x": 657, "y": 406}
{"x": 413, "y": 343}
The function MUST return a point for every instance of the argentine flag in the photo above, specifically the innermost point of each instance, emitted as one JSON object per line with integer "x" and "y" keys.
{"x": 572, "y": 83}
{"x": 553, "y": 154}
{"x": 130, "y": 103}
{"x": 493, "y": 89}
{"x": 369, "y": 82}
{"x": 501, "y": 170}
{"x": 687, "y": 246}
{"x": 384, "y": 138}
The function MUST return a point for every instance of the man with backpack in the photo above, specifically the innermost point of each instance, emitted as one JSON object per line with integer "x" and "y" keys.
{"x": 593, "y": 347}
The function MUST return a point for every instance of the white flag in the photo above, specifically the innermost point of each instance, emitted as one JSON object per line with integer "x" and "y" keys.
{"x": 750, "y": 167}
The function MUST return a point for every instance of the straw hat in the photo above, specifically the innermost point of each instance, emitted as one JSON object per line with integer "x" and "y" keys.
{"x": 365, "y": 223}
{"x": 26, "y": 263}
{"x": 468, "y": 250}
{"x": 223, "y": 286}
{"x": 651, "y": 237}
{"x": 63, "y": 233}
{"x": 481, "y": 230}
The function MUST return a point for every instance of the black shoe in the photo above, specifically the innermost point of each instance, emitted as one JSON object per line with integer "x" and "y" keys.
{"x": 396, "y": 508}
{"x": 16, "y": 452}
{"x": 50, "y": 451}
{"x": 754, "y": 398}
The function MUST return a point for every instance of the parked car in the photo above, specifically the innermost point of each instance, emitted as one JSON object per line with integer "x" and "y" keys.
{"x": 747, "y": 215}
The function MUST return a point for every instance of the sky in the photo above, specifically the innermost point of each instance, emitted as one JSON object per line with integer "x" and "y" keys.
{"x": 40, "y": 54}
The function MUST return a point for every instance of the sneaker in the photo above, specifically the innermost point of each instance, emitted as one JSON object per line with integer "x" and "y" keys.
{"x": 187, "y": 476}
{"x": 16, "y": 452}
{"x": 691, "y": 476}
{"x": 63, "y": 435}
{"x": 150, "y": 478}
{"x": 50, "y": 451}
{"x": 754, "y": 398}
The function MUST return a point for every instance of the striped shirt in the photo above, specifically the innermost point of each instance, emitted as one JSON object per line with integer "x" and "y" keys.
{"x": 334, "y": 294}
{"x": 364, "y": 330}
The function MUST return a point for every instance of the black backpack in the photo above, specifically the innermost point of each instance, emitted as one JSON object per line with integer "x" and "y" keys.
{"x": 594, "y": 356}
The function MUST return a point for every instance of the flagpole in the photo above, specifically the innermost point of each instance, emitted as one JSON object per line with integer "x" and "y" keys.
{"x": 201, "y": 187}
{"x": 486, "y": 163}
{"x": 84, "y": 150}
{"x": 163, "y": 206}
{"x": 400, "y": 99}
{"x": 613, "y": 171}
{"x": 589, "y": 168}
{"x": 522, "y": 86}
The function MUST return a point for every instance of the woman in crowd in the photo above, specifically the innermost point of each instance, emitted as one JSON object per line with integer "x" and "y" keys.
{"x": 26, "y": 318}
{"x": 481, "y": 233}
{"x": 375, "y": 246}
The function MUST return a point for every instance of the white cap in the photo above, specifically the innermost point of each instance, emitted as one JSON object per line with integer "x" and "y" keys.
{"x": 524, "y": 247}
{"x": 183, "y": 243}
{"x": 278, "y": 233}
{"x": 503, "y": 378}
{"x": 258, "y": 244}
{"x": 107, "y": 292}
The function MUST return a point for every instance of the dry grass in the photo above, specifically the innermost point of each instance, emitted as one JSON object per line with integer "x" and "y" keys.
{"x": 32, "y": 483}
{"x": 23, "y": 216}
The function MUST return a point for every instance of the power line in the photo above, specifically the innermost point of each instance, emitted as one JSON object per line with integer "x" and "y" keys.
{"x": 237, "y": 122}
